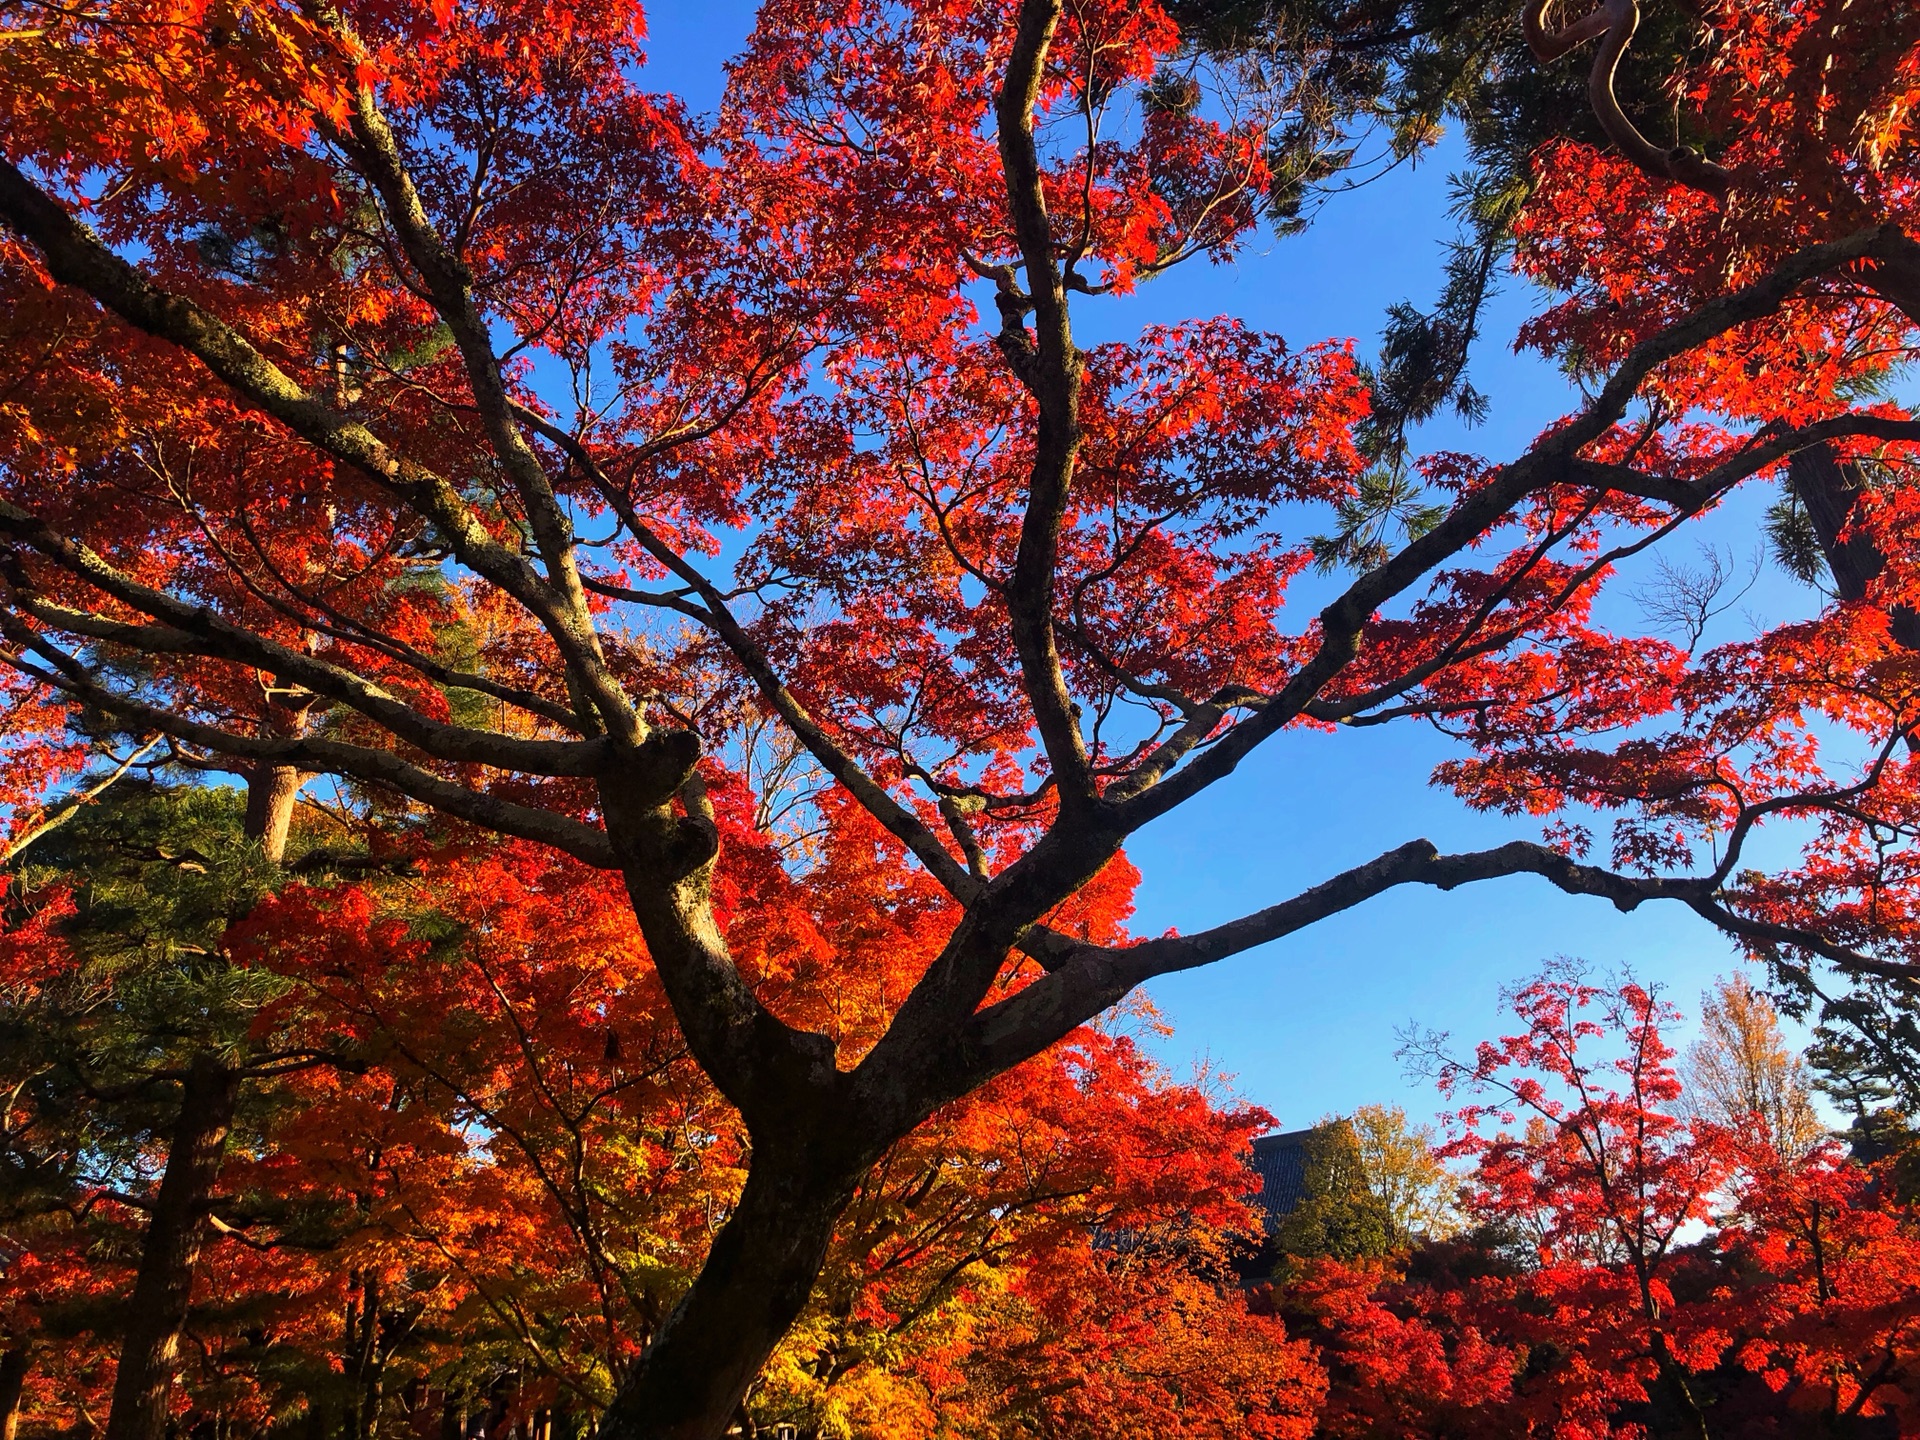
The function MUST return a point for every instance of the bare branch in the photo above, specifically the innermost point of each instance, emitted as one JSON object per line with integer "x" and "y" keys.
{"x": 1088, "y": 979}
{"x": 75, "y": 804}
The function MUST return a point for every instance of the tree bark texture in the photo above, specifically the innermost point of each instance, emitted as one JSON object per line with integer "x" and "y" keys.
{"x": 271, "y": 793}
{"x": 1829, "y": 490}
{"x": 272, "y": 789}
{"x": 691, "y": 1381}
{"x": 164, "y": 1284}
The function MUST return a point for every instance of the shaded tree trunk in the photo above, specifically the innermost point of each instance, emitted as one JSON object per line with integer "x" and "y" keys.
{"x": 272, "y": 791}
{"x": 689, "y": 1384}
{"x": 369, "y": 1363}
{"x": 13, "y": 1384}
{"x": 169, "y": 1253}
{"x": 1828, "y": 491}
{"x": 1692, "y": 1421}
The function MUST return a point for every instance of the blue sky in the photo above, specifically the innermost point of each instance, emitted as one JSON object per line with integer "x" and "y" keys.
{"x": 1307, "y": 1026}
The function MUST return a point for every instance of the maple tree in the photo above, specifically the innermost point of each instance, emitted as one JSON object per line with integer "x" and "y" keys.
{"x": 1605, "y": 1175}
{"x": 290, "y": 488}
{"x": 591, "y": 1204}
{"x": 1044, "y": 1258}
{"x": 1630, "y": 1269}
{"x": 506, "y": 1167}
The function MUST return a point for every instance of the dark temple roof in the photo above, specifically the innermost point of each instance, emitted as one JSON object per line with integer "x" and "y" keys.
{"x": 1282, "y": 1163}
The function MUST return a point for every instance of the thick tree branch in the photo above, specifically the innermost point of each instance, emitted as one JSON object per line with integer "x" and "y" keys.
{"x": 1769, "y": 447}
{"x": 1049, "y": 366}
{"x": 374, "y": 149}
{"x": 1147, "y": 795}
{"x": 1765, "y": 935}
{"x": 1092, "y": 978}
{"x": 74, "y": 256}
{"x": 189, "y": 629}
{"x": 330, "y": 757}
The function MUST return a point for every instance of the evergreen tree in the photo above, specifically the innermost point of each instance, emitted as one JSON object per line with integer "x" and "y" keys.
{"x": 1339, "y": 1217}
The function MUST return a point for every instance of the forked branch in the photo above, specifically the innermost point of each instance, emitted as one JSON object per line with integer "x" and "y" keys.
{"x": 1088, "y": 978}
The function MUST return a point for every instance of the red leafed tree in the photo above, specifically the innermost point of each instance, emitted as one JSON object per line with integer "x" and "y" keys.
{"x": 1602, "y": 1179}
{"x": 294, "y": 483}
{"x": 1831, "y": 1264}
{"x": 531, "y": 1127}
{"x": 1405, "y": 1360}
{"x": 1629, "y": 1271}
{"x": 1808, "y": 112}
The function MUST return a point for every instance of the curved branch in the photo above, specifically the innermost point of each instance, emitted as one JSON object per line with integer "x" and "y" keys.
{"x": 1613, "y": 23}
{"x": 1764, "y": 933}
{"x": 1088, "y": 979}
{"x": 1549, "y": 45}
{"x": 1767, "y": 447}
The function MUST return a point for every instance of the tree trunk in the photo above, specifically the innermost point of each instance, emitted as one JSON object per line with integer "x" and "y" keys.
{"x": 372, "y": 1399}
{"x": 369, "y": 1363}
{"x": 1828, "y": 490}
{"x": 1693, "y": 1422}
{"x": 169, "y": 1253}
{"x": 13, "y": 1384}
{"x": 273, "y": 789}
{"x": 271, "y": 793}
{"x": 689, "y": 1383}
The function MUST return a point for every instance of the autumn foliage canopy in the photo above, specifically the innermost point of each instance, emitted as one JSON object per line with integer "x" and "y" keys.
{"x": 696, "y": 632}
